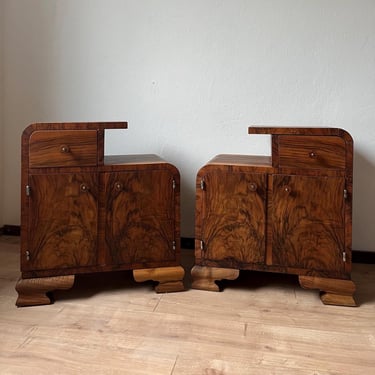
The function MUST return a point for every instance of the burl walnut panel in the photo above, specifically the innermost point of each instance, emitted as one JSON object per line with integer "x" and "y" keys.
{"x": 140, "y": 217}
{"x": 82, "y": 212}
{"x": 288, "y": 213}
{"x": 234, "y": 216}
{"x": 308, "y": 223}
{"x": 63, "y": 216}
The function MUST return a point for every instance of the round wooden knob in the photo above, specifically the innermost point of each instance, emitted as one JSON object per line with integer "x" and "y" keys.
{"x": 84, "y": 188}
{"x": 287, "y": 189}
{"x": 118, "y": 186}
{"x": 253, "y": 186}
{"x": 65, "y": 149}
{"x": 313, "y": 155}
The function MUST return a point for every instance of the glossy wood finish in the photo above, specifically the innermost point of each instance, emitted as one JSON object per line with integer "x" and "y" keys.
{"x": 307, "y": 220}
{"x": 62, "y": 228}
{"x": 33, "y": 292}
{"x": 334, "y": 291}
{"x": 288, "y": 213}
{"x": 140, "y": 216}
{"x": 234, "y": 218}
{"x": 169, "y": 279}
{"x": 83, "y": 212}
{"x": 205, "y": 278}
{"x": 312, "y": 152}
{"x": 63, "y": 148}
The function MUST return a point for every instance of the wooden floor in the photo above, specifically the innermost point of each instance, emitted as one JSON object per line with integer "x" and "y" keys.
{"x": 259, "y": 324}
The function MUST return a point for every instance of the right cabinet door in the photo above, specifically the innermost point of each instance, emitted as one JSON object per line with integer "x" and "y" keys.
{"x": 308, "y": 217}
{"x": 140, "y": 218}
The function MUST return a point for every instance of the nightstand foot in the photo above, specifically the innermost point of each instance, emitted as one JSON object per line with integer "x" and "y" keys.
{"x": 32, "y": 292}
{"x": 333, "y": 291}
{"x": 169, "y": 278}
{"x": 205, "y": 277}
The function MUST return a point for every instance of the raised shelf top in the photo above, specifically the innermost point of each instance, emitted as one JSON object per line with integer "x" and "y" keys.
{"x": 280, "y": 130}
{"x": 75, "y": 126}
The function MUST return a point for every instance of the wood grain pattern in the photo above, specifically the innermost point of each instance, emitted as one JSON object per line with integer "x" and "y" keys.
{"x": 140, "y": 217}
{"x": 205, "y": 278}
{"x": 32, "y": 292}
{"x": 308, "y": 223}
{"x": 82, "y": 212}
{"x": 313, "y": 152}
{"x": 305, "y": 221}
{"x": 334, "y": 291}
{"x": 62, "y": 231}
{"x": 233, "y": 229}
{"x": 170, "y": 279}
{"x": 63, "y": 148}
{"x": 248, "y": 161}
{"x": 298, "y": 130}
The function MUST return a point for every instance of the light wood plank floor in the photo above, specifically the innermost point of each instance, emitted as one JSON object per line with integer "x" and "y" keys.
{"x": 259, "y": 324}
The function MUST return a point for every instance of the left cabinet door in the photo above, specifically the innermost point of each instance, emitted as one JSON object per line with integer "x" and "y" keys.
{"x": 62, "y": 228}
{"x": 232, "y": 218}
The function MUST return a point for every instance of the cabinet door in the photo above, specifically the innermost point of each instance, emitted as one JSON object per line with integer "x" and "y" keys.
{"x": 62, "y": 231}
{"x": 308, "y": 219}
{"x": 233, "y": 218}
{"x": 140, "y": 217}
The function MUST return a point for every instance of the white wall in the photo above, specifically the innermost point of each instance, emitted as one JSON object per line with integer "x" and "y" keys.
{"x": 190, "y": 76}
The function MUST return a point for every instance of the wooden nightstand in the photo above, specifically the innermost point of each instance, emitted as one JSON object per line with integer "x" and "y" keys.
{"x": 84, "y": 212}
{"x": 288, "y": 213}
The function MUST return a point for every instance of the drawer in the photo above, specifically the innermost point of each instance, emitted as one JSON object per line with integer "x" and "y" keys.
{"x": 314, "y": 152}
{"x": 63, "y": 148}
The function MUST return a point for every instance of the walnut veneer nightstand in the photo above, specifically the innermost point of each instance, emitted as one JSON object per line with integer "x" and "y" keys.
{"x": 289, "y": 213}
{"x": 84, "y": 212}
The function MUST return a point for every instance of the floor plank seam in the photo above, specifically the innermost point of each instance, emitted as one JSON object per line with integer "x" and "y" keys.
{"x": 245, "y": 329}
{"x": 157, "y": 304}
{"x": 174, "y": 365}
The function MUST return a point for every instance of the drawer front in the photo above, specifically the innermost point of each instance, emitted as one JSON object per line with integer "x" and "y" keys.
{"x": 63, "y": 148}
{"x": 319, "y": 152}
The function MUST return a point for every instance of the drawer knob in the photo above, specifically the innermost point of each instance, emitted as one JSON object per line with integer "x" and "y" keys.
{"x": 287, "y": 189}
{"x": 118, "y": 186}
{"x": 84, "y": 188}
{"x": 65, "y": 149}
{"x": 313, "y": 155}
{"x": 253, "y": 186}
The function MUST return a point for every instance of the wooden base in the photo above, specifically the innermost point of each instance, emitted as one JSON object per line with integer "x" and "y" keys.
{"x": 333, "y": 291}
{"x": 169, "y": 278}
{"x": 32, "y": 292}
{"x": 205, "y": 277}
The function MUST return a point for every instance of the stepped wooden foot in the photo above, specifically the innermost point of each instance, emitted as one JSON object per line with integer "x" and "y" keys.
{"x": 32, "y": 292}
{"x": 205, "y": 277}
{"x": 333, "y": 291}
{"x": 169, "y": 278}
